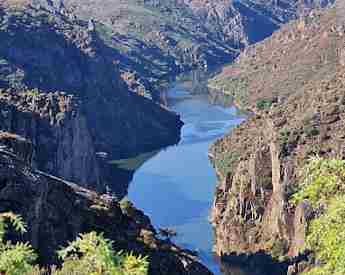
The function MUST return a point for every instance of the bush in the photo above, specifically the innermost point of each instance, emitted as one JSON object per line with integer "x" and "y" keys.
{"x": 93, "y": 254}
{"x": 323, "y": 179}
{"x": 89, "y": 254}
{"x": 32, "y": 93}
{"x": 324, "y": 188}
{"x": 264, "y": 104}
{"x": 15, "y": 259}
{"x": 279, "y": 248}
{"x": 326, "y": 237}
{"x": 311, "y": 131}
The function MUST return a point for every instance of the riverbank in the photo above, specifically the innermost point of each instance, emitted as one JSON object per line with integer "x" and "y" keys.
{"x": 175, "y": 187}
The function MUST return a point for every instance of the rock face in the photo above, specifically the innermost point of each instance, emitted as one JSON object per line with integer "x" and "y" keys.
{"x": 58, "y": 130}
{"x": 97, "y": 120}
{"x": 56, "y": 211}
{"x": 284, "y": 63}
{"x": 245, "y": 22}
{"x": 259, "y": 163}
{"x": 157, "y": 39}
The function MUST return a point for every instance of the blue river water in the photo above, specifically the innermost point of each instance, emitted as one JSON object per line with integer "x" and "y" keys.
{"x": 175, "y": 187}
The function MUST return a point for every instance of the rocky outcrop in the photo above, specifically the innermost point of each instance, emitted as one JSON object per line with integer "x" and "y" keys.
{"x": 259, "y": 167}
{"x": 260, "y": 163}
{"x": 241, "y": 23}
{"x": 97, "y": 120}
{"x": 269, "y": 72}
{"x": 61, "y": 140}
{"x": 56, "y": 211}
{"x": 157, "y": 39}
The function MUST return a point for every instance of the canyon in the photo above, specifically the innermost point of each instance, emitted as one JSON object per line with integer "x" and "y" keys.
{"x": 81, "y": 88}
{"x": 62, "y": 91}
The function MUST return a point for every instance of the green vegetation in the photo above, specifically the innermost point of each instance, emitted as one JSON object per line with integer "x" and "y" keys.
{"x": 132, "y": 164}
{"x": 284, "y": 136}
{"x": 225, "y": 161}
{"x": 279, "y": 249}
{"x": 284, "y": 141}
{"x": 324, "y": 180}
{"x": 235, "y": 87}
{"x": 324, "y": 187}
{"x": 32, "y": 93}
{"x": 127, "y": 207}
{"x": 15, "y": 259}
{"x": 89, "y": 254}
{"x": 311, "y": 131}
{"x": 264, "y": 104}
{"x": 93, "y": 254}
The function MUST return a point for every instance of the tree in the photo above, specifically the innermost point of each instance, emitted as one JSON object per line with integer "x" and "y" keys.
{"x": 15, "y": 259}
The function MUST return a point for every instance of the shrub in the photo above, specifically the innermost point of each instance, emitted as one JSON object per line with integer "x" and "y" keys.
{"x": 93, "y": 254}
{"x": 311, "y": 131}
{"x": 264, "y": 104}
{"x": 323, "y": 179}
{"x": 326, "y": 237}
{"x": 279, "y": 248}
{"x": 15, "y": 259}
{"x": 32, "y": 93}
{"x": 89, "y": 254}
{"x": 324, "y": 188}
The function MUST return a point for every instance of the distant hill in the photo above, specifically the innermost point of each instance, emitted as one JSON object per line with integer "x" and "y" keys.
{"x": 157, "y": 39}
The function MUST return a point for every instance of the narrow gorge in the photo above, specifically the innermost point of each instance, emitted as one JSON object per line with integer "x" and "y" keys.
{"x": 108, "y": 107}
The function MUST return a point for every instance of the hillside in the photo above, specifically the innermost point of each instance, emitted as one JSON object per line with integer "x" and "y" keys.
{"x": 157, "y": 39}
{"x": 260, "y": 163}
{"x": 93, "y": 118}
{"x": 56, "y": 211}
{"x": 283, "y": 63}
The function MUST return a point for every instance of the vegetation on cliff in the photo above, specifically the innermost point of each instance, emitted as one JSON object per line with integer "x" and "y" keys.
{"x": 295, "y": 86}
{"x": 16, "y": 258}
{"x": 93, "y": 103}
{"x": 157, "y": 39}
{"x": 89, "y": 254}
{"x": 281, "y": 65}
{"x": 57, "y": 212}
{"x": 324, "y": 189}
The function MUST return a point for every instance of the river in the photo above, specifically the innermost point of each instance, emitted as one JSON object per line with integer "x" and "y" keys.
{"x": 175, "y": 187}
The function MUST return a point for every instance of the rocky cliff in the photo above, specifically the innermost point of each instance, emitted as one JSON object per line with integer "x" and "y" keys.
{"x": 241, "y": 23}
{"x": 94, "y": 119}
{"x": 157, "y": 39}
{"x": 259, "y": 164}
{"x": 269, "y": 72}
{"x": 56, "y": 211}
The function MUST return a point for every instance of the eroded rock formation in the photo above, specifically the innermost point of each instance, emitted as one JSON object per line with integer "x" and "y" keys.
{"x": 56, "y": 211}
{"x": 260, "y": 163}
{"x": 97, "y": 120}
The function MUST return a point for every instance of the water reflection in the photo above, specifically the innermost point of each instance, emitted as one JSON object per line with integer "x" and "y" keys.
{"x": 175, "y": 187}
